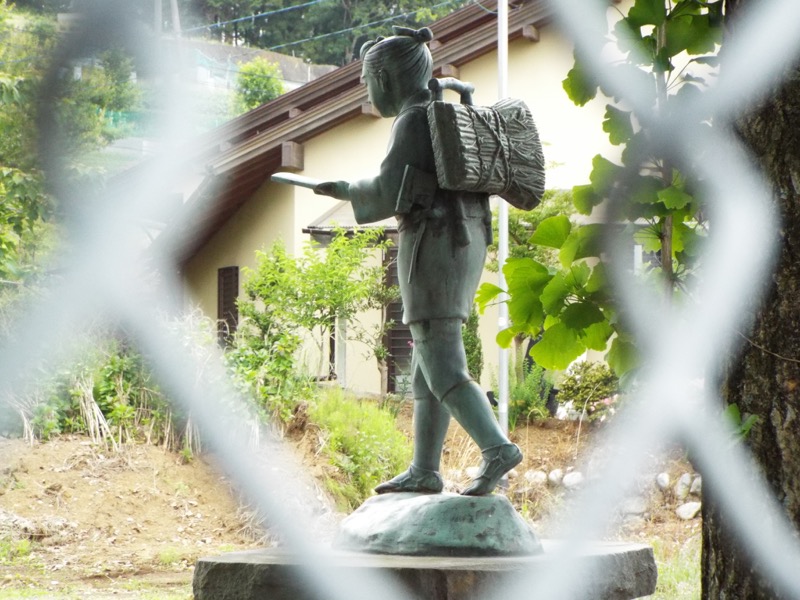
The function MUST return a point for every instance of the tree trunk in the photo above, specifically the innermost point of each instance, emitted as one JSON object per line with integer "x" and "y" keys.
{"x": 764, "y": 377}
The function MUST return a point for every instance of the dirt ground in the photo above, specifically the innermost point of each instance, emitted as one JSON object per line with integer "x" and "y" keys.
{"x": 132, "y": 523}
{"x": 105, "y": 521}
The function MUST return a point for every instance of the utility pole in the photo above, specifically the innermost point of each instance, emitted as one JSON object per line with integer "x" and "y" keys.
{"x": 502, "y": 220}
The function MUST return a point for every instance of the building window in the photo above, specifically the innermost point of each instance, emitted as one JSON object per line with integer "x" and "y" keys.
{"x": 398, "y": 338}
{"x": 227, "y": 311}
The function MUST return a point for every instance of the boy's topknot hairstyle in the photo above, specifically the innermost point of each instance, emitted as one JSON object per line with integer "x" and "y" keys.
{"x": 405, "y": 51}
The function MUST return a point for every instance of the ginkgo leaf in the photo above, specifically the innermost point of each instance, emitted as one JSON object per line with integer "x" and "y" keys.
{"x": 558, "y": 347}
{"x": 552, "y": 232}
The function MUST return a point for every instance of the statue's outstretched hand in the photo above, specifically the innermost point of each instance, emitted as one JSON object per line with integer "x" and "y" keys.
{"x": 337, "y": 189}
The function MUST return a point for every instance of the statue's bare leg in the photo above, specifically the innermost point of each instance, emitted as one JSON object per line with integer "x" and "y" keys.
{"x": 440, "y": 354}
{"x": 470, "y": 407}
{"x": 431, "y": 420}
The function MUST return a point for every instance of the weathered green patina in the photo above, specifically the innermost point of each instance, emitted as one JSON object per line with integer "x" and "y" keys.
{"x": 442, "y": 249}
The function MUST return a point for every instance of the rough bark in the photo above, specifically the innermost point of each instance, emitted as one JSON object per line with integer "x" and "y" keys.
{"x": 764, "y": 378}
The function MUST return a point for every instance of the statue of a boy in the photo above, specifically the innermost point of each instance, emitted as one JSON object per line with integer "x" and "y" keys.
{"x": 442, "y": 250}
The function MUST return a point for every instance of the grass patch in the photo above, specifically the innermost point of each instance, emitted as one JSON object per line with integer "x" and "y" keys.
{"x": 363, "y": 443}
{"x": 146, "y": 590}
{"x": 162, "y": 595}
{"x": 169, "y": 556}
{"x": 678, "y": 569}
{"x": 12, "y": 594}
{"x": 12, "y": 550}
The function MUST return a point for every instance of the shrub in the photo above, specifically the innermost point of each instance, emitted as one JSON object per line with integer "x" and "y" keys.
{"x": 286, "y": 296}
{"x": 264, "y": 368}
{"x": 362, "y": 442}
{"x": 591, "y": 387}
{"x": 527, "y": 399}
{"x": 110, "y": 394}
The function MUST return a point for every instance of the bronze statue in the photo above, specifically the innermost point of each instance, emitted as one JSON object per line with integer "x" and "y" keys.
{"x": 441, "y": 255}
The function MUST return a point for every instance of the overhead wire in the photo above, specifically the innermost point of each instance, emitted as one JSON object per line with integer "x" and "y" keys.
{"x": 253, "y": 17}
{"x": 287, "y": 44}
{"x": 365, "y": 25}
{"x": 332, "y": 33}
{"x": 483, "y": 8}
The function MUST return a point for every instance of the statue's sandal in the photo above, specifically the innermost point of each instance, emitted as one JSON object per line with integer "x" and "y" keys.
{"x": 497, "y": 461}
{"x": 413, "y": 480}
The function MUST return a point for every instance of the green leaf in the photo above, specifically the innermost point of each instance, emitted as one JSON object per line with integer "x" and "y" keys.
{"x": 552, "y": 232}
{"x": 679, "y": 34}
{"x": 691, "y": 240}
{"x": 558, "y": 347}
{"x": 583, "y": 242}
{"x": 747, "y": 425}
{"x": 708, "y": 35}
{"x": 673, "y": 198}
{"x": 525, "y": 310}
{"x": 577, "y": 276}
{"x": 634, "y": 212}
{"x": 647, "y": 12}
{"x": 596, "y": 336}
{"x": 550, "y": 320}
{"x": 554, "y": 294}
{"x": 569, "y": 250}
{"x": 684, "y": 239}
{"x": 686, "y": 7}
{"x": 591, "y": 237}
{"x": 733, "y": 414}
{"x": 686, "y": 96}
{"x": 585, "y": 198}
{"x": 598, "y": 280}
{"x": 716, "y": 15}
{"x": 505, "y": 337}
{"x": 525, "y": 278}
{"x": 636, "y": 150}
{"x": 486, "y": 293}
{"x": 645, "y": 190}
{"x": 617, "y": 125}
{"x": 604, "y": 174}
{"x": 629, "y": 39}
{"x": 692, "y": 34}
{"x": 580, "y": 85}
{"x": 580, "y": 315}
{"x": 525, "y": 273}
{"x": 622, "y": 356}
{"x": 649, "y": 237}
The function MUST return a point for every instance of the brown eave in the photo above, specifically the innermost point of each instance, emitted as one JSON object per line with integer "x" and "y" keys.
{"x": 240, "y": 155}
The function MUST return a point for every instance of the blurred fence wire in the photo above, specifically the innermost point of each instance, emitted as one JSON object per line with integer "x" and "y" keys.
{"x": 104, "y": 271}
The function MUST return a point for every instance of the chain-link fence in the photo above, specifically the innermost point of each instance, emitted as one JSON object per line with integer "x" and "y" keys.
{"x": 104, "y": 271}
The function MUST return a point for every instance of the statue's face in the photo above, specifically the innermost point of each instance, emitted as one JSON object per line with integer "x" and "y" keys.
{"x": 380, "y": 92}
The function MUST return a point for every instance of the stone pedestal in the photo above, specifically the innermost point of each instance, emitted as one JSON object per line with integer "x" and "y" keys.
{"x": 620, "y": 571}
{"x": 437, "y": 525}
{"x": 435, "y": 547}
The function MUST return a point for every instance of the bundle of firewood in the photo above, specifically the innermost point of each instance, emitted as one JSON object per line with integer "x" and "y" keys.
{"x": 494, "y": 150}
